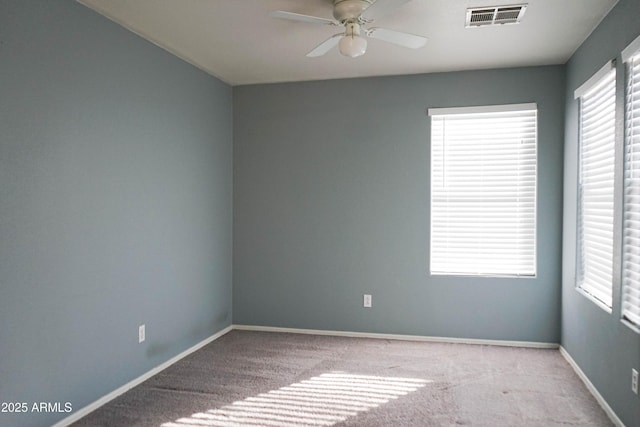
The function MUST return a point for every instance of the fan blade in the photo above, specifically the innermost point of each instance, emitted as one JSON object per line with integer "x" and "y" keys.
{"x": 381, "y": 8}
{"x": 302, "y": 18}
{"x": 325, "y": 46}
{"x": 411, "y": 41}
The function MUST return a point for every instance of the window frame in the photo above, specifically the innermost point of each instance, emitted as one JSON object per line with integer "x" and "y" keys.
{"x": 487, "y": 110}
{"x": 631, "y": 60}
{"x": 606, "y": 74}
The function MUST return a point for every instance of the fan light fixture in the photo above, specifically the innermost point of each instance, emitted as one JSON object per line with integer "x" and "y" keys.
{"x": 351, "y": 44}
{"x": 355, "y": 16}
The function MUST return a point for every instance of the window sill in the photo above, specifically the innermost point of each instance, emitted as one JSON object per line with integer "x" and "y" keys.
{"x": 484, "y": 275}
{"x": 591, "y": 298}
{"x": 634, "y": 328}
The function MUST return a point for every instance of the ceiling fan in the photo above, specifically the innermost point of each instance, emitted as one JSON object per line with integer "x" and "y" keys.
{"x": 354, "y": 15}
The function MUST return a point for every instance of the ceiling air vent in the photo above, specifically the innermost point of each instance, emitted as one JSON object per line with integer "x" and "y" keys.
{"x": 495, "y": 15}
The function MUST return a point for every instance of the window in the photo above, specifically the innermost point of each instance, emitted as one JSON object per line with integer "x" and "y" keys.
{"x": 596, "y": 185}
{"x": 631, "y": 198}
{"x": 483, "y": 190}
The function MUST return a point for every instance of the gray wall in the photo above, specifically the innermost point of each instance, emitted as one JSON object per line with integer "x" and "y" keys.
{"x": 115, "y": 205}
{"x": 603, "y": 347}
{"x": 331, "y": 201}
{"x": 116, "y": 209}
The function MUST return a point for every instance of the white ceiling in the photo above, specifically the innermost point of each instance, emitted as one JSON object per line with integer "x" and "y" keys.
{"x": 238, "y": 42}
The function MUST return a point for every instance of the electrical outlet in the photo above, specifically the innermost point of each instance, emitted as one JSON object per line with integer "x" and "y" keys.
{"x": 367, "y": 300}
{"x": 634, "y": 381}
{"x": 140, "y": 334}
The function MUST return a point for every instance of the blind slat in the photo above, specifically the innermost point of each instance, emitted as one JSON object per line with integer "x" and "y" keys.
{"x": 631, "y": 198}
{"x": 483, "y": 192}
{"x": 596, "y": 189}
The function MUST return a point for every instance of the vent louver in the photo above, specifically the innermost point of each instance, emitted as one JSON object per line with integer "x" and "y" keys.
{"x": 495, "y": 15}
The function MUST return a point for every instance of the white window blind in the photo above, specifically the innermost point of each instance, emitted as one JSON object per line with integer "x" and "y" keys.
{"x": 631, "y": 221}
{"x": 483, "y": 190}
{"x": 596, "y": 185}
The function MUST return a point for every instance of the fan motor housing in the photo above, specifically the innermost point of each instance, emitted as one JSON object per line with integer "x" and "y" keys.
{"x": 349, "y": 10}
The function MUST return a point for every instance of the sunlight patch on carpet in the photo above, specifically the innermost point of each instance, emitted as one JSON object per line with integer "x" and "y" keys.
{"x": 319, "y": 401}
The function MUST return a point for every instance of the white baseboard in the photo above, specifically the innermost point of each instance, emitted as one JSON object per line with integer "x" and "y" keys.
{"x": 603, "y": 403}
{"x": 117, "y": 392}
{"x": 528, "y": 344}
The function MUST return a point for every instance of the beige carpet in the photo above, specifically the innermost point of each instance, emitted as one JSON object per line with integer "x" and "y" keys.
{"x": 287, "y": 380}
